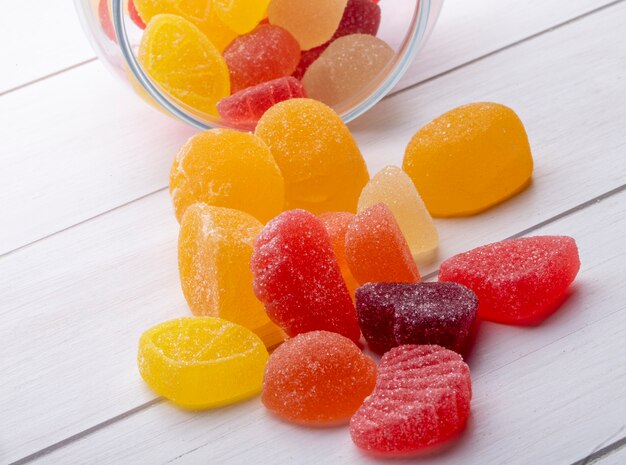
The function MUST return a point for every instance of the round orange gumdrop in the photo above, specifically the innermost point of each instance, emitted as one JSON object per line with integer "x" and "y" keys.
{"x": 317, "y": 378}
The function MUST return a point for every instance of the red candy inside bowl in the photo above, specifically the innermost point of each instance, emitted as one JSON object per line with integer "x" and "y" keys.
{"x": 213, "y": 63}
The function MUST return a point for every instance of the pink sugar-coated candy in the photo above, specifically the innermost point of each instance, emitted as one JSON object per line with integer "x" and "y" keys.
{"x": 248, "y": 105}
{"x": 297, "y": 277}
{"x": 393, "y": 314}
{"x": 422, "y": 398}
{"x": 518, "y": 281}
{"x": 359, "y": 17}
{"x": 267, "y": 53}
{"x": 376, "y": 249}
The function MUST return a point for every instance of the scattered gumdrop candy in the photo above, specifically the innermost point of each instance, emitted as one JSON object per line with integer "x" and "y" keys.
{"x": 359, "y": 17}
{"x": 214, "y": 249}
{"x": 227, "y": 168}
{"x": 134, "y": 15}
{"x": 297, "y": 277}
{"x": 394, "y": 188}
{"x": 336, "y": 224}
{"x": 422, "y": 398}
{"x": 377, "y": 251}
{"x": 317, "y": 378}
{"x": 318, "y": 157}
{"x": 184, "y": 62}
{"x": 311, "y": 23}
{"x": 104, "y": 15}
{"x": 199, "y": 12}
{"x": 267, "y": 53}
{"x": 393, "y": 314}
{"x": 469, "y": 159}
{"x": 241, "y": 15}
{"x": 202, "y": 363}
{"x": 518, "y": 281}
{"x": 246, "y": 107}
{"x": 346, "y": 67}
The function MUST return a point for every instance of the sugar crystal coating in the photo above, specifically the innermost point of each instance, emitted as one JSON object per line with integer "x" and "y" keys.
{"x": 184, "y": 62}
{"x": 297, "y": 277}
{"x": 376, "y": 250}
{"x": 347, "y": 67}
{"x": 134, "y": 15}
{"x": 201, "y": 363}
{"x": 517, "y": 281}
{"x": 311, "y": 23}
{"x": 393, "y": 314}
{"x": 422, "y": 398}
{"x": 246, "y": 107}
{"x": 199, "y": 12}
{"x": 318, "y": 157}
{"x": 469, "y": 159}
{"x": 214, "y": 249}
{"x": 227, "y": 168}
{"x": 317, "y": 378}
{"x": 359, "y": 17}
{"x": 336, "y": 224}
{"x": 267, "y": 53}
{"x": 241, "y": 15}
{"x": 394, "y": 188}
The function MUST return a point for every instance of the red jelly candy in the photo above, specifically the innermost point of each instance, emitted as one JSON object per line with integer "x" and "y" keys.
{"x": 248, "y": 105}
{"x": 336, "y": 224}
{"x": 297, "y": 277}
{"x": 134, "y": 15}
{"x": 518, "y": 281}
{"x": 266, "y": 53}
{"x": 317, "y": 378}
{"x": 376, "y": 249}
{"x": 105, "y": 19}
{"x": 422, "y": 398}
{"x": 393, "y": 314}
{"x": 359, "y": 17}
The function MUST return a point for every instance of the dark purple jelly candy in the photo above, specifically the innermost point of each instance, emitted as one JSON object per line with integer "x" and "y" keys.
{"x": 393, "y": 314}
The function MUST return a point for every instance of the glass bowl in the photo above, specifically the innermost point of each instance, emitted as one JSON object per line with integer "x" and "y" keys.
{"x": 405, "y": 26}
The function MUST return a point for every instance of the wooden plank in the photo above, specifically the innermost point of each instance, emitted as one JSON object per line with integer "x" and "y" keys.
{"x": 95, "y": 147}
{"x": 546, "y": 394}
{"x": 39, "y": 38}
{"x": 616, "y": 456}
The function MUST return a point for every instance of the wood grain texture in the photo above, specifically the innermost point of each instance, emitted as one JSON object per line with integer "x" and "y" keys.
{"x": 546, "y": 394}
{"x": 88, "y": 292}
{"x": 97, "y": 147}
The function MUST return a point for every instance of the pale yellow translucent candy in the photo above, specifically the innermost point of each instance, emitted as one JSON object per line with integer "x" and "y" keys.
{"x": 202, "y": 13}
{"x": 393, "y": 187}
{"x": 241, "y": 15}
{"x": 346, "y": 68}
{"x": 214, "y": 249}
{"x": 312, "y": 23}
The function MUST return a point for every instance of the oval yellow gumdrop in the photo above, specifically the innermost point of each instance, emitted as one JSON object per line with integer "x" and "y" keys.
{"x": 393, "y": 187}
{"x": 320, "y": 161}
{"x": 202, "y": 13}
{"x": 241, "y": 15}
{"x": 227, "y": 168}
{"x": 469, "y": 159}
{"x": 214, "y": 249}
{"x": 184, "y": 62}
{"x": 202, "y": 362}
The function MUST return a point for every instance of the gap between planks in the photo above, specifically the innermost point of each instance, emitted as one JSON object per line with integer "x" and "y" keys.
{"x": 592, "y": 458}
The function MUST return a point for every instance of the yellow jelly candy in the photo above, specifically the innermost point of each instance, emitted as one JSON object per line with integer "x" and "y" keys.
{"x": 469, "y": 159}
{"x": 202, "y": 362}
{"x": 320, "y": 161}
{"x": 394, "y": 188}
{"x": 184, "y": 62}
{"x": 202, "y": 13}
{"x": 241, "y": 15}
{"x": 227, "y": 168}
{"x": 312, "y": 23}
{"x": 214, "y": 249}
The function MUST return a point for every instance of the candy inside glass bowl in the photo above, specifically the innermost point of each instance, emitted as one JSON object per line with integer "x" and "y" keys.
{"x": 347, "y": 75}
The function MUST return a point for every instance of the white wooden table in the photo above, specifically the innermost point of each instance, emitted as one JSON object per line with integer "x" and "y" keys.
{"x": 88, "y": 254}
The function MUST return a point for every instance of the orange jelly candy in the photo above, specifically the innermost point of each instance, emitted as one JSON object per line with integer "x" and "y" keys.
{"x": 317, "y": 378}
{"x": 336, "y": 223}
{"x": 376, "y": 250}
